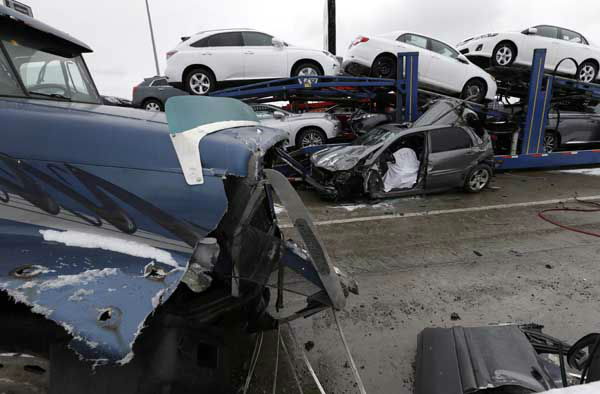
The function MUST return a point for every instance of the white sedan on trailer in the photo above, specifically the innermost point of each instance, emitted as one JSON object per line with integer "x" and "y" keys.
{"x": 441, "y": 67}
{"x": 506, "y": 49}
{"x": 307, "y": 129}
{"x": 218, "y": 57}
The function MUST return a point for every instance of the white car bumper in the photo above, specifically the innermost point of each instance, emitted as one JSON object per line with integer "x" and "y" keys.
{"x": 480, "y": 48}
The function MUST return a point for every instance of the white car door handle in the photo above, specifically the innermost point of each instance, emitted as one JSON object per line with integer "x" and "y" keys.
{"x": 249, "y": 53}
{"x": 207, "y": 53}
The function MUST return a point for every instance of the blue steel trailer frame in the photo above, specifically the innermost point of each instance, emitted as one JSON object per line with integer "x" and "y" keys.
{"x": 541, "y": 90}
{"x": 318, "y": 88}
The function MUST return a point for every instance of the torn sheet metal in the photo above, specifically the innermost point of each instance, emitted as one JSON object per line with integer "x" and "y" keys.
{"x": 472, "y": 360}
{"x": 95, "y": 286}
{"x": 93, "y": 257}
{"x": 303, "y": 223}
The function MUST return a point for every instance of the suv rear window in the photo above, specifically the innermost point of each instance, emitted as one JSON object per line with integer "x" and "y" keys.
{"x": 444, "y": 140}
{"x": 255, "y": 39}
{"x": 233, "y": 39}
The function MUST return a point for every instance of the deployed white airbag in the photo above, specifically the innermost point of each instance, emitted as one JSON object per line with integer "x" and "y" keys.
{"x": 404, "y": 173}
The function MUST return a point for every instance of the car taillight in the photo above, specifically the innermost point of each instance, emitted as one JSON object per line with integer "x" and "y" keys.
{"x": 359, "y": 40}
{"x": 170, "y": 53}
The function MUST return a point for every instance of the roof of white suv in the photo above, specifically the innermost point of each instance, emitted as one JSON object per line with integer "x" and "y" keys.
{"x": 224, "y": 30}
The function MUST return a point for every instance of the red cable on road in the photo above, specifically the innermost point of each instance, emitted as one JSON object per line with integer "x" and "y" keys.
{"x": 566, "y": 227}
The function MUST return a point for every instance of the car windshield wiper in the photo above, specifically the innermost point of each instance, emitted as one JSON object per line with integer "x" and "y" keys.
{"x": 53, "y": 95}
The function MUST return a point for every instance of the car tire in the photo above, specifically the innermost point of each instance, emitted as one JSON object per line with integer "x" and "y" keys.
{"x": 478, "y": 178}
{"x": 200, "y": 81}
{"x": 551, "y": 141}
{"x": 307, "y": 69}
{"x": 153, "y": 105}
{"x": 310, "y": 136}
{"x": 384, "y": 66}
{"x": 587, "y": 72}
{"x": 504, "y": 54}
{"x": 475, "y": 87}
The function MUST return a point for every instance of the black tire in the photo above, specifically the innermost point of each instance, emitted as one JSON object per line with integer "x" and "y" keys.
{"x": 500, "y": 54}
{"x": 384, "y": 66}
{"x": 587, "y": 72}
{"x": 153, "y": 105}
{"x": 551, "y": 141}
{"x": 200, "y": 81}
{"x": 310, "y": 136}
{"x": 475, "y": 87}
{"x": 478, "y": 178}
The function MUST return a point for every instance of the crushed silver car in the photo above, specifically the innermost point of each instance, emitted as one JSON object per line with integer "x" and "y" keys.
{"x": 446, "y": 147}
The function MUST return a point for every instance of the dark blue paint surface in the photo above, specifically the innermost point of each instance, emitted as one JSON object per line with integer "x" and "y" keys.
{"x": 111, "y": 174}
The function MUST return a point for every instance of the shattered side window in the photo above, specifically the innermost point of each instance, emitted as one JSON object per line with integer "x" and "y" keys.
{"x": 439, "y": 113}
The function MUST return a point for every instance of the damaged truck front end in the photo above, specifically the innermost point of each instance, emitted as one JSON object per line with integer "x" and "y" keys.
{"x": 126, "y": 267}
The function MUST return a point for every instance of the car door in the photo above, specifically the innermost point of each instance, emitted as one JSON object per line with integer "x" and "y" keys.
{"x": 595, "y": 124}
{"x": 417, "y": 43}
{"x": 446, "y": 70}
{"x": 161, "y": 89}
{"x": 574, "y": 127}
{"x": 572, "y": 44}
{"x": 262, "y": 59}
{"x": 451, "y": 152}
{"x": 545, "y": 38}
{"x": 223, "y": 53}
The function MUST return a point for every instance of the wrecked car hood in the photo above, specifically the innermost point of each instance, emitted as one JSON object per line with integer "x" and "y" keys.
{"x": 97, "y": 224}
{"x": 342, "y": 158}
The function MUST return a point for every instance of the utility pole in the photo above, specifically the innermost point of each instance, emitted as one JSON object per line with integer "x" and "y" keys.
{"x": 152, "y": 37}
{"x": 331, "y": 26}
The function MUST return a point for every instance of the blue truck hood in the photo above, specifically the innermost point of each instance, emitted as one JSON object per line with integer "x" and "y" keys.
{"x": 97, "y": 224}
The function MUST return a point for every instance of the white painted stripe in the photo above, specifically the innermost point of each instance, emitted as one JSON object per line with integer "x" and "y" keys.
{"x": 446, "y": 211}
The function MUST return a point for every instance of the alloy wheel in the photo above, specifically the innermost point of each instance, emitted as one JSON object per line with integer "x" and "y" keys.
{"x": 200, "y": 83}
{"x": 153, "y": 107}
{"x": 308, "y": 72}
{"x": 587, "y": 73}
{"x": 311, "y": 139}
{"x": 504, "y": 55}
{"x": 549, "y": 142}
{"x": 479, "y": 179}
{"x": 473, "y": 91}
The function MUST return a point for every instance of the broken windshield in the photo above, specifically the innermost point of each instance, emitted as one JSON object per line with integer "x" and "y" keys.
{"x": 375, "y": 137}
{"x": 439, "y": 113}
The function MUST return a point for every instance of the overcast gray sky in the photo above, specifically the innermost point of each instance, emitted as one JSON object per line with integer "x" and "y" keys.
{"x": 117, "y": 30}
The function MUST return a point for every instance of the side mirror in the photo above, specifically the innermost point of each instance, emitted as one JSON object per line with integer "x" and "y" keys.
{"x": 532, "y": 30}
{"x": 576, "y": 40}
{"x": 277, "y": 42}
{"x": 278, "y": 115}
{"x": 463, "y": 59}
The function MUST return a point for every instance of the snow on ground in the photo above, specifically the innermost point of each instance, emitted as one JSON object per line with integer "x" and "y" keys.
{"x": 583, "y": 171}
{"x": 592, "y": 388}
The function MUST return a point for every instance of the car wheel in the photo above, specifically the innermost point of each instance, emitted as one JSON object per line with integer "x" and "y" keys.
{"x": 153, "y": 105}
{"x": 307, "y": 70}
{"x": 550, "y": 141}
{"x": 475, "y": 89}
{"x": 200, "y": 82}
{"x": 587, "y": 72}
{"x": 384, "y": 67}
{"x": 310, "y": 137}
{"x": 478, "y": 178}
{"x": 504, "y": 54}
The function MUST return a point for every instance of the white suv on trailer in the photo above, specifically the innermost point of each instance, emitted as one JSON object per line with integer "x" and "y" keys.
{"x": 202, "y": 62}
